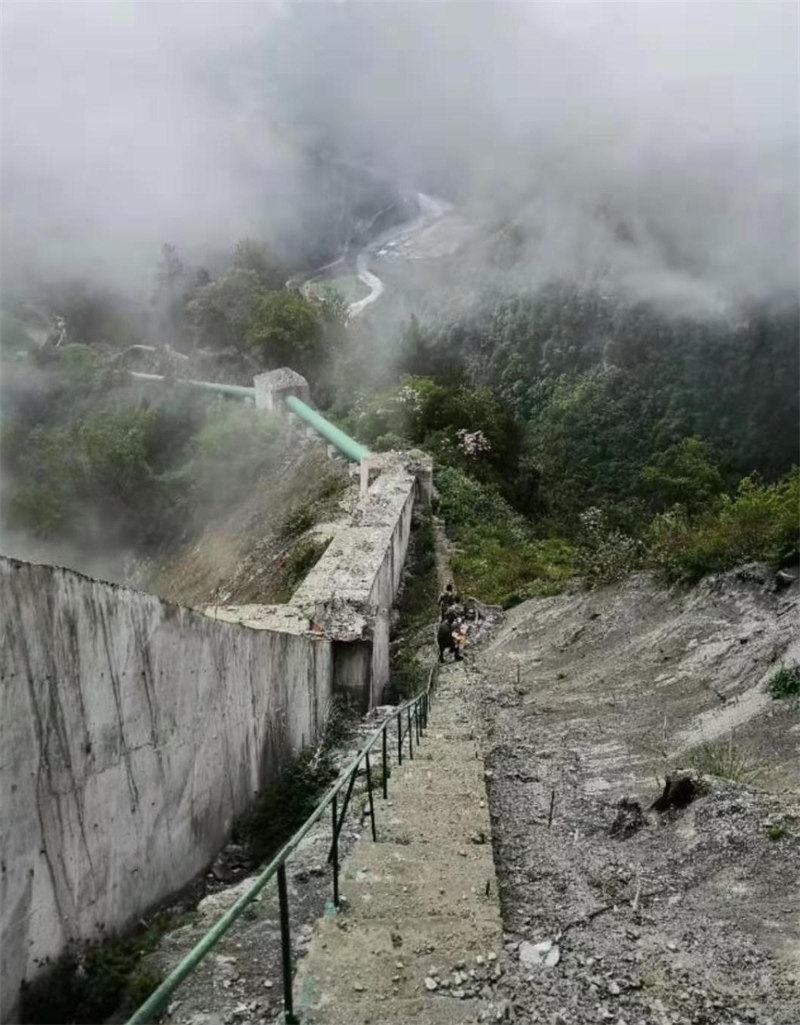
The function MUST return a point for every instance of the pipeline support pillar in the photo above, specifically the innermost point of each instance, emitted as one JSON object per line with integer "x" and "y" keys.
{"x": 275, "y": 386}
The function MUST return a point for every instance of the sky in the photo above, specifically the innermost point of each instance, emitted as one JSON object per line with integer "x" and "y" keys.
{"x": 127, "y": 125}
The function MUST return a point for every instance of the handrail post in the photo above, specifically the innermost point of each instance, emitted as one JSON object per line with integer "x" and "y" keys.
{"x": 335, "y": 853}
{"x": 345, "y": 804}
{"x": 371, "y": 804}
{"x": 385, "y": 754}
{"x": 286, "y": 948}
{"x": 400, "y": 738}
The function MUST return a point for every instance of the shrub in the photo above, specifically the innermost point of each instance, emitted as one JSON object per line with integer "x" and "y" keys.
{"x": 90, "y": 984}
{"x": 298, "y": 522}
{"x": 605, "y": 555}
{"x": 785, "y": 682}
{"x": 340, "y": 721}
{"x": 465, "y": 502}
{"x": 285, "y": 804}
{"x": 416, "y": 603}
{"x": 408, "y": 677}
{"x": 682, "y": 474}
{"x": 761, "y": 522}
{"x": 467, "y": 428}
{"x": 726, "y": 762}
{"x": 497, "y": 557}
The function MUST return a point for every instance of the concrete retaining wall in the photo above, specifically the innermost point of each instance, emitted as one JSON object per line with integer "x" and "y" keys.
{"x": 131, "y": 734}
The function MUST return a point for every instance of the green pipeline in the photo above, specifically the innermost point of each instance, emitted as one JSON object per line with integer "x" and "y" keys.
{"x": 236, "y": 391}
{"x": 347, "y": 446}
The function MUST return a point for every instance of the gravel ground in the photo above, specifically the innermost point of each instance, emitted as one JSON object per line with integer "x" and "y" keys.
{"x": 624, "y": 914}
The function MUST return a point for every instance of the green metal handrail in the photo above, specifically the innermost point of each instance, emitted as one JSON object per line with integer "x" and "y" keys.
{"x": 347, "y": 445}
{"x": 418, "y": 707}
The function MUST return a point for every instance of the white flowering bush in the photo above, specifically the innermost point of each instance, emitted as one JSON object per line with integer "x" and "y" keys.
{"x": 473, "y": 443}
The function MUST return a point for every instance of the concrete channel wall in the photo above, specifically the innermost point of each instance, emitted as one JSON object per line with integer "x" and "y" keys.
{"x": 349, "y": 594}
{"x": 131, "y": 734}
{"x": 352, "y": 588}
{"x": 132, "y": 731}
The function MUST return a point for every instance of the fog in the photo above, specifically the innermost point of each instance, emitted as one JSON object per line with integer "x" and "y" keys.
{"x": 664, "y": 132}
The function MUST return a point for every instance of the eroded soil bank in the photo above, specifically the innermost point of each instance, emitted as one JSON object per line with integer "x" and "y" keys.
{"x": 689, "y": 916}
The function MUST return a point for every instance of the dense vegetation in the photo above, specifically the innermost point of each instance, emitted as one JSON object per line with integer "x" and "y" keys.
{"x": 578, "y": 433}
{"x": 574, "y": 431}
{"x": 97, "y": 462}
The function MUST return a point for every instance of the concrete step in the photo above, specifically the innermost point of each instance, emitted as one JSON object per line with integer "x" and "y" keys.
{"x": 442, "y": 1010}
{"x": 438, "y": 822}
{"x": 421, "y": 903}
{"x": 444, "y": 748}
{"x": 426, "y": 776}
{"x": 405, "y": 881}
{"x": 364, "y": 962}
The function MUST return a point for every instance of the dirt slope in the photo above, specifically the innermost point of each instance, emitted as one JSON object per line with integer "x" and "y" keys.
{"x": 589, "y": 698}
{"x": 265, "y": 543}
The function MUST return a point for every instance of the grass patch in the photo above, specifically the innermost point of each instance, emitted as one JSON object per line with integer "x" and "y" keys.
{"x": 300, "y": 561}
{"x": 323, "y": 506}
{"x": 348, "y": 286}
{"x": 785, "y": 682}
{"x": 726, "y": 762}
{"x": 776, "y": 832}
{"x": 298, "y": 522}
{"x": 89, "y": 985}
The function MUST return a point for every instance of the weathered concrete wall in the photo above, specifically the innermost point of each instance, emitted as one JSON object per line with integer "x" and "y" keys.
{"x": 392, "y": 491}
{"x": 131, "y": 734}
{"x": 350, "y": 592}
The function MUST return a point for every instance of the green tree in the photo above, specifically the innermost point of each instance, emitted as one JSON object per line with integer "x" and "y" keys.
{"x": 285, "y": 331}
{"x": 222, "y": 312}
{"x": 169, "y": 297}
{"x": 253, "y": 255}
{"x": 682, "y": 474}
{"x": 590, "y": 438}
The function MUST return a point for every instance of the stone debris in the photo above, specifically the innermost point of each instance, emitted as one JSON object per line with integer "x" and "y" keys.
{"x": 665, "y": 928}
{"x": 629, "y": 818}
{"x": 545, "y": 953}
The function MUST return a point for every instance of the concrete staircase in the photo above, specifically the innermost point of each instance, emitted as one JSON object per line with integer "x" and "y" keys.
{"x": 418, "y": 939}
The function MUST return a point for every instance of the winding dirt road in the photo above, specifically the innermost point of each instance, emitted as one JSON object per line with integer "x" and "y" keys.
{"x": 388, "y": 242}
